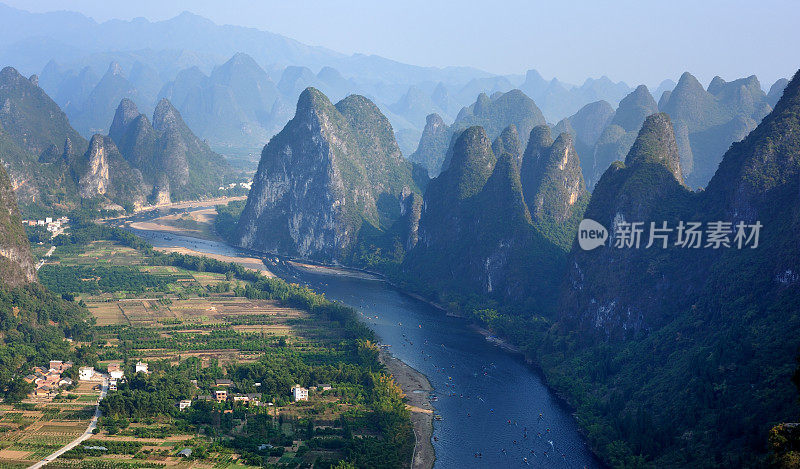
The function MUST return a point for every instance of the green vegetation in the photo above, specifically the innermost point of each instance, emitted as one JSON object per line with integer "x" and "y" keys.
{"x": 227, "y": 218}
{"x": 94, "y": 279}
{"x": 84, "y": 230}
{"x": 34, "y": 323}
{"x": 784, "y": 439}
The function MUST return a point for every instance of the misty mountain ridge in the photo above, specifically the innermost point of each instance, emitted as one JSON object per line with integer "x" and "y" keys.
{"x": 154, "y": 57}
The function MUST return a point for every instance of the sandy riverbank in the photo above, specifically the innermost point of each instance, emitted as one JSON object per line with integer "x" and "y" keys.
{"x": 330, "y": 270}
{"x": 195, "y": 224}
{"x": 192, "y": 203}
{"x": 251, "y": 263}
{"x": 417, "y": 389}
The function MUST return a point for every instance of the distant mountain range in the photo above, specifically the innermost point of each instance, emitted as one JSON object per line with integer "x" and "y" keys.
{"x": 493, "y": 114}
{"x": 706, "y": 123}
{"x": 150, "y": 60}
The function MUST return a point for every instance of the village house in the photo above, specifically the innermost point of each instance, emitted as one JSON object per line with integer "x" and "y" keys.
{"x": 249, "y": 399}
{"x": 115, "y": 371}
{"x": 299, "y": 393}
{"x": 184, "y": 404}
{"x": 141, "y": 367}
{"x": 223, "y": 382}
{"x": 221, "y": 395}
{"x": 59, "y": 366}
{"x": 86, "y": 373}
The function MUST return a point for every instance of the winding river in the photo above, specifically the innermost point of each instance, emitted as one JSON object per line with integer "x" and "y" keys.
{"x": 491, "y": 404}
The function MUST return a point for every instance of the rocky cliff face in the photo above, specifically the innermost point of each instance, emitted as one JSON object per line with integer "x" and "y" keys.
{"x": 329, "y": 173}
{"x": 586, "y": 126}
{"x": 173, "y": 161}
{"x": 756, "y": 180}
{"x": 103, "y": 173}
{"x": 94, "y": 180}
{"x": 16, "y": 263}
{"x": 551, "y": 177}
{"x": 33, "y": 132}
{"x": 52, "y": 166}
{"x": 684, "y": 321}
{"x": 647, "y": 187}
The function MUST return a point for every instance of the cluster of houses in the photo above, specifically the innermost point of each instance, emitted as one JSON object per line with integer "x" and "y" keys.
{"x": 48, "y": 381}
{"x": 245, "y": 185}
{"x": 115, "y": 373}
{"x": 221, "y": 394}
{"x": 53, "y": 225}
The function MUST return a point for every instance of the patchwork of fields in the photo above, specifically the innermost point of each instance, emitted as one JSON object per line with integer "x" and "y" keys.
{"x": 170, "y": 316}
{"x": 33, "y": 429}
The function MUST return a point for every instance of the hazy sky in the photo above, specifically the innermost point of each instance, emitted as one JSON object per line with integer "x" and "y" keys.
{"x": 639, "y": 41}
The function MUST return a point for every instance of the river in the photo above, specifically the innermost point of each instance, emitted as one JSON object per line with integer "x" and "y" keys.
{"x": 490, "y": 401}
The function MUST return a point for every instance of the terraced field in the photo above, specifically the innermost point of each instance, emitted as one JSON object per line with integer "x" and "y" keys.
{"x": 35, "y": 428}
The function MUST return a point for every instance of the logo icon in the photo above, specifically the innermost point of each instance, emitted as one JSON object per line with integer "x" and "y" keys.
{"x": 591, "y": 234}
